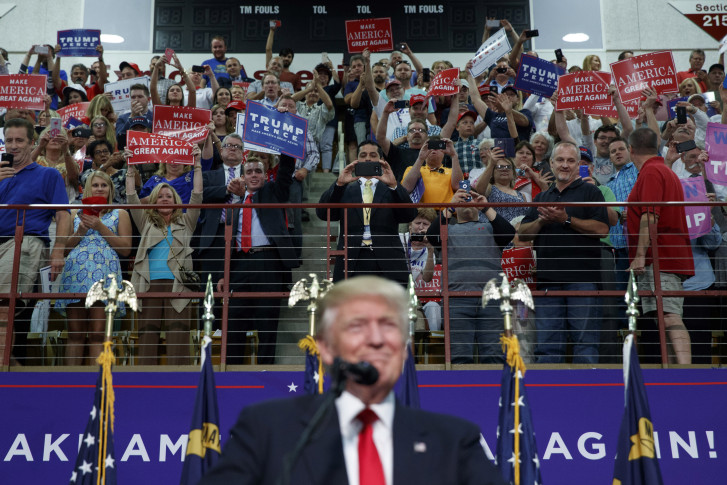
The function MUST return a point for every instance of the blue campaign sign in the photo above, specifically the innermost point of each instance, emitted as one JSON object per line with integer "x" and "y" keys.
{"x": 537, "y": 76}
{"x": 672, "y": 106}
{"x": 272, "y": 129}
{"x": 79, "y": 42}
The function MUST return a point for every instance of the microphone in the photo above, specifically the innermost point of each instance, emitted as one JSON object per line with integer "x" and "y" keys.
{"x": 361, "y": 372}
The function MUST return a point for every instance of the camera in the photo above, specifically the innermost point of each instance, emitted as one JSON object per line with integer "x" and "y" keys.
{"x": 501, "y": 70}
{"x": 8, "y": 157}
{"x": 401, "y": 104}
{"x": 367, "y": 169}
{"x": 199, "y": 69}
{"x": 417, "y": 236}
{"x": 437, "y": 145}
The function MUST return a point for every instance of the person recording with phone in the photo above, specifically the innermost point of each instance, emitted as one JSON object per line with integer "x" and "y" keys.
{"x": 474, "y": 254}
{"x": 358, "y": 432}
{"x": 427, "y": 181}
{"x": 373, "y": 233}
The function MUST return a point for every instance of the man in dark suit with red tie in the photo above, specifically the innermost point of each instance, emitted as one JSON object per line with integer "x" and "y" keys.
{"x": 367, "y": 437}
{"x": 262, "y": 257}
{"x": 374, "y": 246}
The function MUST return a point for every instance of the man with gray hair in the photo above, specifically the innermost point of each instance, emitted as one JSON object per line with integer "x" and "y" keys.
{"x": 367, "y": 436}
{"x": 569, "y": 259}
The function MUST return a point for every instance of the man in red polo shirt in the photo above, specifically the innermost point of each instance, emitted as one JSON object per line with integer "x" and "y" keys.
{"x": 658, "y": 183}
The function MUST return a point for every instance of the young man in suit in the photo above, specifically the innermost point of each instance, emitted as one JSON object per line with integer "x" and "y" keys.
{"x": 373, "y": 233}
{"x": 361, "y": 319}
{"x": 261, "y": 259}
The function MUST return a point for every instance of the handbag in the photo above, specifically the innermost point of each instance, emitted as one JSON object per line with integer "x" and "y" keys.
{"x": 189, "y": 278}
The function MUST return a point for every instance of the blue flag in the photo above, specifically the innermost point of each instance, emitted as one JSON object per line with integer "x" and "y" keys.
{"x": 407, "y": 388}
{"x": 203, "y": 446}
{"x": 517, "y": 455}
{"x": 636, "y": 461}
{"x": 313, "y": 377}
{"x": 96, "y": 454}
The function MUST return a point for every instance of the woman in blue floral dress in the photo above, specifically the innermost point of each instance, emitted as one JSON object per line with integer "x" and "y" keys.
{"x": 92, "y": 252}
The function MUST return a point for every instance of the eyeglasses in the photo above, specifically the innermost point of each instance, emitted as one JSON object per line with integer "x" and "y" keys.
{"x": 401, "y": 62}
{"x": 416, "y": 130}
{"x": 102, "y": 152}
{"x": 232, "y": 146}
{"x": 99, "y": 125}
{"x": 503, "y": 167}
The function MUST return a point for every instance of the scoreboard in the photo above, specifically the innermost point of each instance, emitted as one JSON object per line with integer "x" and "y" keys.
{"x": 453, "y": 26}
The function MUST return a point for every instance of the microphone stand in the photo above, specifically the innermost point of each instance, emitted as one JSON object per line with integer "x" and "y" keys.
{"x": 339, "y": 384}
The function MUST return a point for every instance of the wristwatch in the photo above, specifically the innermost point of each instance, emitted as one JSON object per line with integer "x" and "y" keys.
{"x": 567, "y": 222}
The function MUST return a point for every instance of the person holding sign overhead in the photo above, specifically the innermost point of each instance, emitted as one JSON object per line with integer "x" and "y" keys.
{"x": 174, "y": 95}
{"x": 164, "y": 253}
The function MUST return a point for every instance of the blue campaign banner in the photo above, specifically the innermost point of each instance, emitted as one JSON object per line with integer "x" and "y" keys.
{"x": 269, "y": 128}
{"x": 79, "y": 42}
{"x": 576, "y": 415}
{"x": 537, "y": 76}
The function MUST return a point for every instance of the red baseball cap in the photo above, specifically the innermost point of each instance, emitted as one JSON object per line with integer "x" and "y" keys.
{"x": 237, "y": 105}
{"x": 131, "y": 65}
{"x": 391, "y": 82}
{"x": 467, "y": 113}
{"x": 417, "y": 98}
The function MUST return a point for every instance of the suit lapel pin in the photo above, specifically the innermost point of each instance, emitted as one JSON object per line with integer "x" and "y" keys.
{"x": 420, "y": 447}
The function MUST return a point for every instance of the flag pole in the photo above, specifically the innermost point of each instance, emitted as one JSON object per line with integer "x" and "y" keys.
{"x": 632, "y": 300}
{"x": 107, "y": 289}
{"x": 313, "y": 292}
{"x": 413, "y": 305}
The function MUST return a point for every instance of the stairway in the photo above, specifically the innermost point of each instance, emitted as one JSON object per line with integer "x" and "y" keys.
{"x": 294, "y": 322}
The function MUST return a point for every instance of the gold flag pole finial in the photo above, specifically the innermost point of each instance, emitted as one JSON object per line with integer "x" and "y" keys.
{"x": 506, "y": 291}
{"x": 209, "y": 303}
{"x": 312, "y": 292}
{"x": 113, "y": 294}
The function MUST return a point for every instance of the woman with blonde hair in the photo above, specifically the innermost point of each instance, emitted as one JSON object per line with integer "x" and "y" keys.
{"x": 54, "y": 152}
{"x": 92, "y": 252}
{"x": 592, "y": 63}
{"x": 689, "y": 87}
{"x": 101, "y": 106}
{"x": 164, "y": 254}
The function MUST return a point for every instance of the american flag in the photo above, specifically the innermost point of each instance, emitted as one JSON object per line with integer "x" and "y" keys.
{"x": 517, "y": 454}
{"x": 313, "y": 380}
{"x": 96, "y": 455}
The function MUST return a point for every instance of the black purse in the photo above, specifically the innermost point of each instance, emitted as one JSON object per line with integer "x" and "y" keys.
{"x": 189, "y": 278}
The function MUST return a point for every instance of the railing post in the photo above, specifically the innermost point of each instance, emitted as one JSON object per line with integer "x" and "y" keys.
{"x": 653, "y": 235}
{"x": 226, "y": 285}
{"x": 443, "y": 231}
{"x": 19, "y": 229}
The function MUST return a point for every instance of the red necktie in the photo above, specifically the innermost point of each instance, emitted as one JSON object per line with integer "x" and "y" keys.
{"x": 370, "y": 470}
{"x": 246, "y": 226}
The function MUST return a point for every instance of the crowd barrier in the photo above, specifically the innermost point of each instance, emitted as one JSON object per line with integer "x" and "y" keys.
{"x": 45, "y": 345}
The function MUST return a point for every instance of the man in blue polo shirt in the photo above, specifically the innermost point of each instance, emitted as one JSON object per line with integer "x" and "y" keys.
{"x": 24, "y": 182}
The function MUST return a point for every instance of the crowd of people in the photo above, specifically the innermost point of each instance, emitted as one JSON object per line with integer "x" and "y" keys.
{"x": 402, "y": 145}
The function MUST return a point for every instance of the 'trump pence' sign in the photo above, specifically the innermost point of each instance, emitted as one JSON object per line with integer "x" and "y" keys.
{"x": 272, "y": 129}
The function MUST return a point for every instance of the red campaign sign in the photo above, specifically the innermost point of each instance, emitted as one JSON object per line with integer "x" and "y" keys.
{"x": 444, "y": 83}
{"x": 583, "y": 89}
{"x": 25, "y": 91}
{"x": 434, "y": 285}
{"x": 632, "y": 107}
{"x": 374, "y": 34}
{"x": 655, "y": 70}
{"x": 152, "y": 148}
{"x": 519, "y": 262}
{"x": 77, "y": 111}
{"x": 244, "y": 85}
{"x": 183, "y": 122}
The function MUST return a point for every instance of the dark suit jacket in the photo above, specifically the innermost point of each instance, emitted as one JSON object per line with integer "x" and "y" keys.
{"x": 272, "y": 220}
{"x": 429, "y": 448}
{"x": 384, "y": 226}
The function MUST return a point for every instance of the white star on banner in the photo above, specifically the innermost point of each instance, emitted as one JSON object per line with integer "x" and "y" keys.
{"x": 513, "y": 459}
{"x": 93, "y": 412}
{"x": 90, "y": 440}
{"x": 292, "y": 387}
{"x": 73, "y": 476}
{"x": 519, "y": 429}
{"x": 520, "y": 402}
{"x": 316, "y": 377}
{"x": 109, "y": 462}
{"x": 85, "y": 468}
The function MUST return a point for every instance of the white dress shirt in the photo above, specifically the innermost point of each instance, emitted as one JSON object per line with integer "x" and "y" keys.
{"x": 348, "y": 407}
{"x": 257, "y": 235}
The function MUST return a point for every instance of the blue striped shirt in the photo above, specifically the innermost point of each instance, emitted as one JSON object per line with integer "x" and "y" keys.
{"x": 621, "y": 185}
